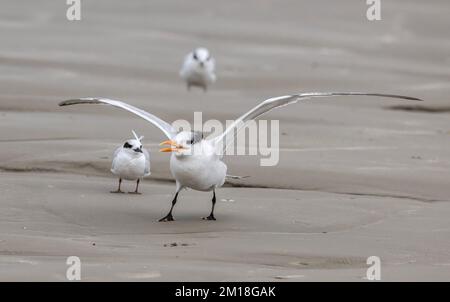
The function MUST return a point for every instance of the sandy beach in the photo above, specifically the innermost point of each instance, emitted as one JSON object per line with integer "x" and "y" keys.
{"x": 357, "y": 177}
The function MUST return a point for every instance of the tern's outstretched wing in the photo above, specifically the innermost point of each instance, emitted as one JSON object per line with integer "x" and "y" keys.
{"x": 162, "y": 125}
{"x": 222, "y": 141}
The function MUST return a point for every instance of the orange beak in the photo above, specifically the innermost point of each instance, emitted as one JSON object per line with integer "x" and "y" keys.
{"x": 175, "y": 146}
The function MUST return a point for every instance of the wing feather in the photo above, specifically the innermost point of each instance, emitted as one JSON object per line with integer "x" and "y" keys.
{"x": 282, "y": 101}
{"x": 165, "y": 127}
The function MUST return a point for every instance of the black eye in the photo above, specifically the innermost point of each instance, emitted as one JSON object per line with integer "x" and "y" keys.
{"x": 192, "y": 141}
{"x": 195, "y": 56}
{"x": 127, "y": 145}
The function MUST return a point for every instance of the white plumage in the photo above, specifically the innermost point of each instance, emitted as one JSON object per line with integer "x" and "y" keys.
{"x": 196, "y": 165}
{"x": 198, "y": 69}
{"x": 131, "y": 162}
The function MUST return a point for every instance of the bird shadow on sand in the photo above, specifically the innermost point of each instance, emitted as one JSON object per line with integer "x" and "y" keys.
{"x": 420, "y": 108}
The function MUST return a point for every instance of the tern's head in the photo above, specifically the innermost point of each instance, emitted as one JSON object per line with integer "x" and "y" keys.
{"x": 133, "y": 146}
{"x": 201, "y": 56}
{"x": 183, "y": 143}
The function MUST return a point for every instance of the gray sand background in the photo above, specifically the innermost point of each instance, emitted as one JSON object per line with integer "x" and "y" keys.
{"x": 356, "y": 178}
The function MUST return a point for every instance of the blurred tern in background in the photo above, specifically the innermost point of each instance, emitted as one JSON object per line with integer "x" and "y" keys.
{"x": 131, "y": 162}
{"x": 198, "y": 69}
{"x": 196, "y": 162}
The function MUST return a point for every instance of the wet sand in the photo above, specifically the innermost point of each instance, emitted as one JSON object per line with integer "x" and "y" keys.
{"x": 355, "y": 178}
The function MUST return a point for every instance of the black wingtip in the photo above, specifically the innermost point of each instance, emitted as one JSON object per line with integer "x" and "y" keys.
{"x": 409, "y": 98}
{"x": 79, "y": 101}
{"x": 69, "y": 102}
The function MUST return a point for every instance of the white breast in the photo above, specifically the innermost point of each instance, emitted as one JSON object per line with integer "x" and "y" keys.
{"x": 202, "y": 172}
{"x": 195, "y": 75}
{"x": 129, "y": 166}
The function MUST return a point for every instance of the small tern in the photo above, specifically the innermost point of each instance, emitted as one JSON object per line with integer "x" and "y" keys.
{"x": 196, "y": 162}
{"x": 131, "y": 162}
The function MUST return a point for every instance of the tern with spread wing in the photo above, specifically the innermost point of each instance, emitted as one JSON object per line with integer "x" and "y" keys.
{"x": 196, "y": 162}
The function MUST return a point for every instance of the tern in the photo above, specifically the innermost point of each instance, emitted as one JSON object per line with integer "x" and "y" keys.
{"x": 131, "y": 162}
{"x": 196, "y": 162}
{"x": 198, "y": 69}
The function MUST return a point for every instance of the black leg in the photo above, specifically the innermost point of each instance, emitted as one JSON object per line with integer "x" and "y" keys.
{"x": 137, "y": 186}
{"x": 211, "y": 216}
{"x": 118, "y": 189}
{"x": 169, "y": 216}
